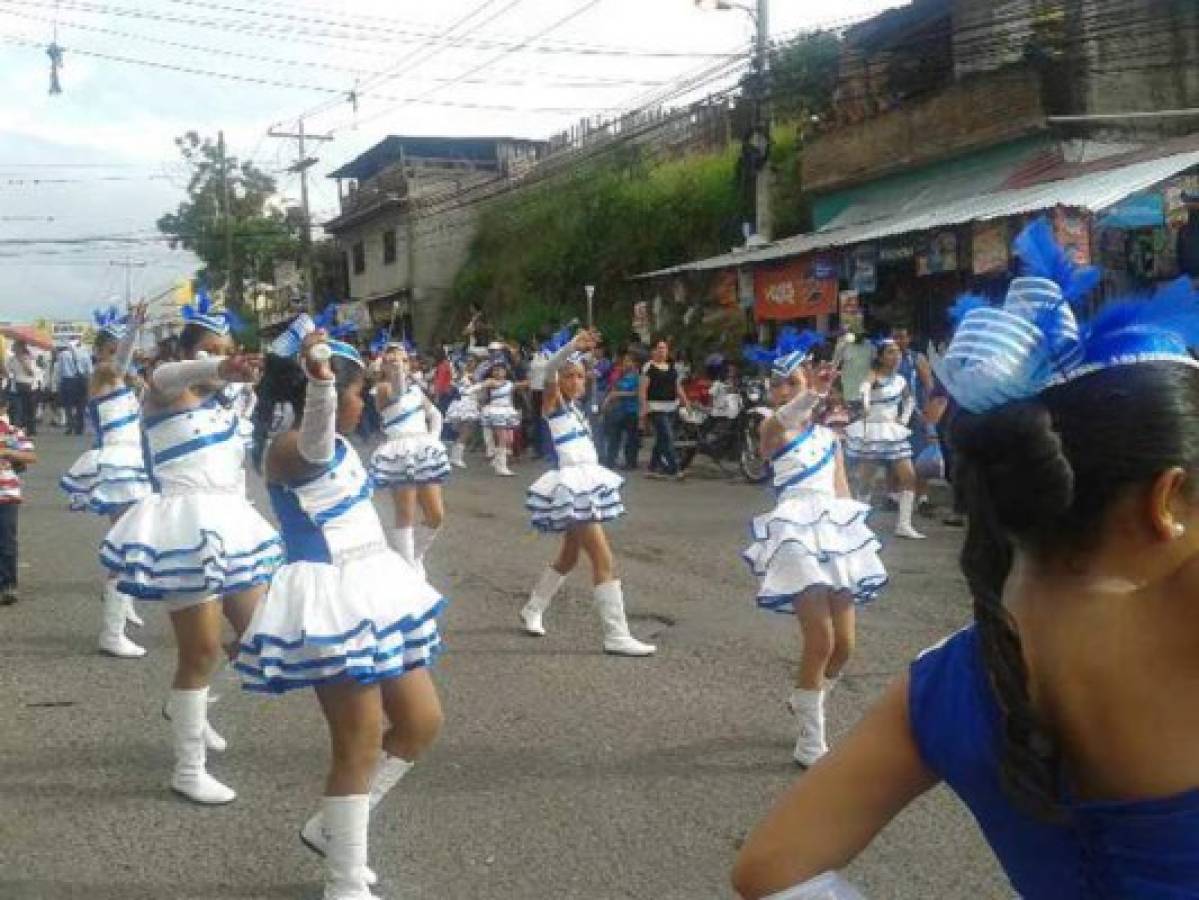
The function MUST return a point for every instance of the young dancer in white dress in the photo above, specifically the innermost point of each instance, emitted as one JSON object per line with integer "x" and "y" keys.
{"x": 345, "y": 615}
{"x": 196, "y": 540}
{"x": 813, "y": 552}
{"x": 464, "y": 414}
{"x": 575, "y": 500}
{"x": 501, "y": 418}
{"x": 411, "y": 463}
{"x": 111, "y": 477}
{"x": 879, "y": 438}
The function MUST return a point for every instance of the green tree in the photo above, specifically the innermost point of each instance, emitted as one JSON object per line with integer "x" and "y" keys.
{"x": 262, "y": 232}
{"x": 803, "y": 76}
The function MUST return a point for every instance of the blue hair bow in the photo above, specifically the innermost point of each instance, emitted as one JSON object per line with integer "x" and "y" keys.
{"x": 1001, "y": 354}
{"x": 789, "y": 353}
{"x": 110, "y": 321}
{"x": 218, "y": 322}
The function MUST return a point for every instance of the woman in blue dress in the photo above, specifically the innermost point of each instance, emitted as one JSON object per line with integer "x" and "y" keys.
{"x": 1064, "y": 716}
{"x": 345, "y": 615}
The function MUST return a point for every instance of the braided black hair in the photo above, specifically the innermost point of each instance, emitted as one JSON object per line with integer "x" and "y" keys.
{"x": 1042, "y": 475}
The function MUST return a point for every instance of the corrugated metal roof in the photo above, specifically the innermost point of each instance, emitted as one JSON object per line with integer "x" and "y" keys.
{"x": 1093, "y": 192}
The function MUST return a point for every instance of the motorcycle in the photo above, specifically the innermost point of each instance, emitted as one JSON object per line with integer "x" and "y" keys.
{"x": 730, "y": 438}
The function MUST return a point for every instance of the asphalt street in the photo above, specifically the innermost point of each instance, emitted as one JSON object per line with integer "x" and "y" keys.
{"x": 562, "y": 773}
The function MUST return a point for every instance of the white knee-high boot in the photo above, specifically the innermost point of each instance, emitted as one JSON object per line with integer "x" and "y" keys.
{"x": 501, "y": 462}
{"x": 131, "y": 615}
{"x": 189, "y": 713}
{"x": 113, "y": 640}
{"x": 403, "y": 541}
{"x": 422, "y": 541}
{"x": 388, "y": 772}
{"x": 458, "y": 455}
{"x": 489, "y": 442}
{"x": 347, "y": 824}
{"x": 609, "y": 603}
{"x": 808, "y": 707}
{"x": 547, "y": 586}
{"x": 903, "y": 524}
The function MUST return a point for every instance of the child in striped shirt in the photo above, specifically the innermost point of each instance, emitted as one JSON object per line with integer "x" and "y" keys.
{"x": 16, "y": 452}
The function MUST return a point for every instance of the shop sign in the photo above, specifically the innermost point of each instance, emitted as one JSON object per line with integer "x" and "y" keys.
{"x": 893, "y": 253}
{"x": 990, "y": 247}
{"x": 1073, "y": 232}
{"x": 725, "y": 288}
{"x": 865, "y": 269}
{"x": 940, "y": 256}
{"x": 791, "y": 291}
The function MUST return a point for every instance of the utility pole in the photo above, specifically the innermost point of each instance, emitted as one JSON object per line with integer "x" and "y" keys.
{"x": 301, "y": 166}
{"x": 764, "y": 218}
{"x": 232, "y": 290}
{"x": 129, "y": 265}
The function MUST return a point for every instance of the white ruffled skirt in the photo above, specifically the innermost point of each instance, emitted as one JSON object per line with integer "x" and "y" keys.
{"x": 464, "y": 409}
{"x": 107, "y": 479}
{"x": 367, "y": 618}
{"x": 878, "y": 441}
{"x": 409, "y": 461}
{"x": 574, "y": 495}
{"x": 191, "y": 546}
{"x": 814, "y": 540}
{"x": 501, "y": 417}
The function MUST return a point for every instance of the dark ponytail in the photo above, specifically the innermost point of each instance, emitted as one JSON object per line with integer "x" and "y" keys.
{"x": 282, "y": 382}
{"x": 1041, "y": 476}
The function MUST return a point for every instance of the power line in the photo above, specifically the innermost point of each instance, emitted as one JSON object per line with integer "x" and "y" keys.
{"x": 574, "y": 83}
{"x": 359, "y": 33}
{"x": 299, "y": 86}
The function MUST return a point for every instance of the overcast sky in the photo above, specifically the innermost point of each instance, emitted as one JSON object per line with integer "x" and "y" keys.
{"x": 98, "y": 160}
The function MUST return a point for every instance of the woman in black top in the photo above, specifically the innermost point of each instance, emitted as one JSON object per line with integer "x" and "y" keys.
{"x": 661, "y": 396}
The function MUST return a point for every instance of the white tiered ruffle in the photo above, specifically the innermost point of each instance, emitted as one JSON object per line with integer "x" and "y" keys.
{"x": 812, "y": 540}
{"x": 190, "y": 546}
{"x": 107, "y": 479}
{"x": 368, "y": 618}
{"x": 464, "y": 409}
{"x": 574, "y": 495}
{"x": 413, "y": 460}
{"x": 878, "y": 441}
{"x": 501, "y": 417}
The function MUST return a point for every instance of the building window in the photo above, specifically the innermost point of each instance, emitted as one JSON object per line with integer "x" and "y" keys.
{"x": 359, "y": 258}
{"x": 389, "y": 247}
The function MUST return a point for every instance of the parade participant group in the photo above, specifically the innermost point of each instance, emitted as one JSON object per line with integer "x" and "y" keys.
{"x": 332, "y": 598}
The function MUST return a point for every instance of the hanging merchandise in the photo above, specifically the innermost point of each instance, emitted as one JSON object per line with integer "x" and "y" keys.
{"x": 1072, "y": 229}
{"x": 939, "y": 256}
{"x": 865, "y": 269}
{"x": 990, "y": 242}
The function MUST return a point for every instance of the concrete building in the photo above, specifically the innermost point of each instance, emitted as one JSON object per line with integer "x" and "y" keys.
{"x": 955, "y": 121}
{"x": 409, "y": 207}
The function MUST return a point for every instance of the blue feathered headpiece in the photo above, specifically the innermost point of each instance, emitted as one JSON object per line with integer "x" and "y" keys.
{"x": 789, "y": 353}
{"x": 217, "y": 321}
{"x": 380, "y": 341}
{"x": 1041, "y": 256}
{"x": 1033, "y": 341}
{"x": 110, "y": 322}
{"x": 557, "y": 341}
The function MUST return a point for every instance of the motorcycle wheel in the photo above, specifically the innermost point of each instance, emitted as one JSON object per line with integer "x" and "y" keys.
{"x": 754, "y": 468}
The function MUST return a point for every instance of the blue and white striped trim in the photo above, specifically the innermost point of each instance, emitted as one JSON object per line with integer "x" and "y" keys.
{"x": 867, "y": 590}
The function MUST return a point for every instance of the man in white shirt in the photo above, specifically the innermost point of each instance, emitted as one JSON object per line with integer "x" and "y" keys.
{"x": 537, "y": 371}
{"x": 75, "y": 370}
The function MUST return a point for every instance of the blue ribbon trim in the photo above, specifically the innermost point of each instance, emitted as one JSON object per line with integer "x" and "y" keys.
{"x": 207, "y": 440}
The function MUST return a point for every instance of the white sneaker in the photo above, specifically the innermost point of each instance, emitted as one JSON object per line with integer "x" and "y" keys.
{"x": 315, "y": 838}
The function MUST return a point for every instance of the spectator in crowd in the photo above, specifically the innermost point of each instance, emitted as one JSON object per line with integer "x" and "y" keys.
{"x": 23, "y": 375}
{"x": 75, "y": 365}
{"x": 16, "y": 452}
{"x": 660, "y": 398}
{"x": 621, "y": 419}
{"x": 853, "y": 356}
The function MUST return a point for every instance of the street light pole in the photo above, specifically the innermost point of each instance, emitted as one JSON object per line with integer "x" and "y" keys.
{"x": 763, "y": 213}
{"x": 757, "y": 144}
